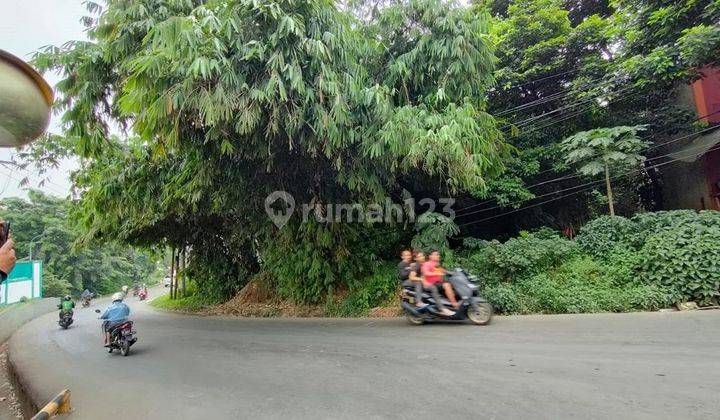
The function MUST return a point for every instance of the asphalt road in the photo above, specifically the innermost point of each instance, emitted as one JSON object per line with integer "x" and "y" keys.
{"x": 646, "y": 365}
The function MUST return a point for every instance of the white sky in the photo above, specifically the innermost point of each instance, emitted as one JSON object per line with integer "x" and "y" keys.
{"x": 25, "y": 26}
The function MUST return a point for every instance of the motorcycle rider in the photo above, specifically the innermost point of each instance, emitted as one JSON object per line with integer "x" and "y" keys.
{"x": 115, "y": 314}
{"x": 434, "y": 274}
{"x": 404, "y": 266}
{"x": 86, "y": 295}
{"x": 66, "y": 305}
{"x": 422, "y": 281}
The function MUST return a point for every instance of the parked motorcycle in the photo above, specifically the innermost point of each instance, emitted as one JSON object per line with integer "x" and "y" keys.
{"x": 473, "y": 307}
{"x": 121, "y": 337}
{"x": 66, "y": 318}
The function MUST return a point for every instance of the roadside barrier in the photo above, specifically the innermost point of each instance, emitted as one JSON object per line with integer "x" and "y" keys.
{"x": 59, "y": 405}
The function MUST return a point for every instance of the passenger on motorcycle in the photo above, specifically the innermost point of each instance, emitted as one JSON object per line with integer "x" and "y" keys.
{"x": 404, "y": 266}
{"x": 115, "y": 314}
{"x": 434, "y": 274}
{"x": 66, "y": 305}
{"x": 417, "y": 276}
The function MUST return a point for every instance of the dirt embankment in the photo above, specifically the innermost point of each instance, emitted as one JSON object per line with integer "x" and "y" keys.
{"x": 255, "y": 300}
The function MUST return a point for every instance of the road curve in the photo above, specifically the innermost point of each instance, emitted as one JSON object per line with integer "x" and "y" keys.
{"x": 647, "y": 365}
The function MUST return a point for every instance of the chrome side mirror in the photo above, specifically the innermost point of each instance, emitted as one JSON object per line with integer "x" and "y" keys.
{"x": 25, "y": 102}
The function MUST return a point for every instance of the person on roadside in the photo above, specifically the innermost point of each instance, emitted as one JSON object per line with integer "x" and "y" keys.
{"x": 115, "y": 314}
{"x": 422, "y": 281}
{"x": 7, "y": 259}
{"x": 434, "y": 274}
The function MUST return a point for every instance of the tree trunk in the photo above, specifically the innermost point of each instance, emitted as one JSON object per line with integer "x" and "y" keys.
{"x": 609, "y": 190}
{"x": 172, "y": 272}
{"x": 184, "y": 258}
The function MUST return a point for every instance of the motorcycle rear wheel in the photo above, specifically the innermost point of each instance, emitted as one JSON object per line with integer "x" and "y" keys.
{"x": 480, "y": 314}
{"x": 125, "y": 348}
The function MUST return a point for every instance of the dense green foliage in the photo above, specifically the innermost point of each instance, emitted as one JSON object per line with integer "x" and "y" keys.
{"x": 615, "y": 264}
{"x": 675, "y": 249}
{"x": 43, "y": 224}
{"x": 571, "y": 66}
{"x": 229, "y": 101}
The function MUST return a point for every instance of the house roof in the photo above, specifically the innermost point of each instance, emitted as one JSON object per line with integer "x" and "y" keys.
{"x": 697, "y": 147}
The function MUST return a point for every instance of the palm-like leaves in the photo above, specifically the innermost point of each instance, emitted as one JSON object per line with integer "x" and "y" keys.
{"x": 602, "y": 149}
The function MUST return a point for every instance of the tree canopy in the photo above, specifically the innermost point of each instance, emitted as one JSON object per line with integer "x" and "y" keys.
{"x": 225, "y": 102}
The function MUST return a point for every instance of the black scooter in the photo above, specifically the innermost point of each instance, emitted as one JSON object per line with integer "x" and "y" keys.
{"x": 66, "y": 318}
{"x": 473, "y": 307}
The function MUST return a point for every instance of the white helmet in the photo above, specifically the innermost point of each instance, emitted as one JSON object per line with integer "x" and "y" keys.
{"x": 117, "y": 296}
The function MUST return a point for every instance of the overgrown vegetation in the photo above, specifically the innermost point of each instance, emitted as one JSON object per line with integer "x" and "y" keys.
{"x": 615, "y": 264}
{"x": 367, "y": 101}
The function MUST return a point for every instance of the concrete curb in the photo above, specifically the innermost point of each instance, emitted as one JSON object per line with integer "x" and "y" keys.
{"x": 16, "y": 315}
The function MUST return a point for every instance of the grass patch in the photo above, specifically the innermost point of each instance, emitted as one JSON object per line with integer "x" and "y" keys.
{"x": 192, "y": 303}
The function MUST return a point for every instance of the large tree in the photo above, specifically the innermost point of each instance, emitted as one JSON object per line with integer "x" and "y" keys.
{"x": 228, "y": 101}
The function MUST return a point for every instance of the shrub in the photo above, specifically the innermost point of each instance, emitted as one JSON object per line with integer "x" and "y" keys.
{"x": 505, "y": 298}
{"x": 685, "y": 258}
{"x": 373, "y": 290}
{"x": 519, "y": 258}
{"x": 603, "y": 235}
{"x": 580, "y": 285}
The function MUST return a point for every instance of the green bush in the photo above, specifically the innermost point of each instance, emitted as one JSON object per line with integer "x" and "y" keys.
{"x": 373, "y": 290}
{"x": 518, "y": 258}
{"x": 685, "y": 258}
{"x": 579, "y": 285}
{"x": 604, "y": 235}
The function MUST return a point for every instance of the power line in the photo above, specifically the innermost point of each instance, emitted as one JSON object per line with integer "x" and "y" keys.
{"x": 575, "y": 192}
{"x": 29, "y": 174}
{"x": 566, "y": 177}
{"x": 542, "y": 78}
{"x": 60, "y": 193}
{"x": 555, "y": 96}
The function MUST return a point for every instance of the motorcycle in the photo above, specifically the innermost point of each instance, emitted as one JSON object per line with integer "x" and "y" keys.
{"x": 86, "y": 302}
{"x": 121, "y": 337}
{"x": 473, "y": 306}
{"x": 66, "y": 318}
{"x": 142, "y": 294}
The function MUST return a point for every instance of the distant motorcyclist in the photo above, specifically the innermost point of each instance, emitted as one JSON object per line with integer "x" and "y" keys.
{"x": 115, "y": 314}
{"x": 66, "y": 305}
